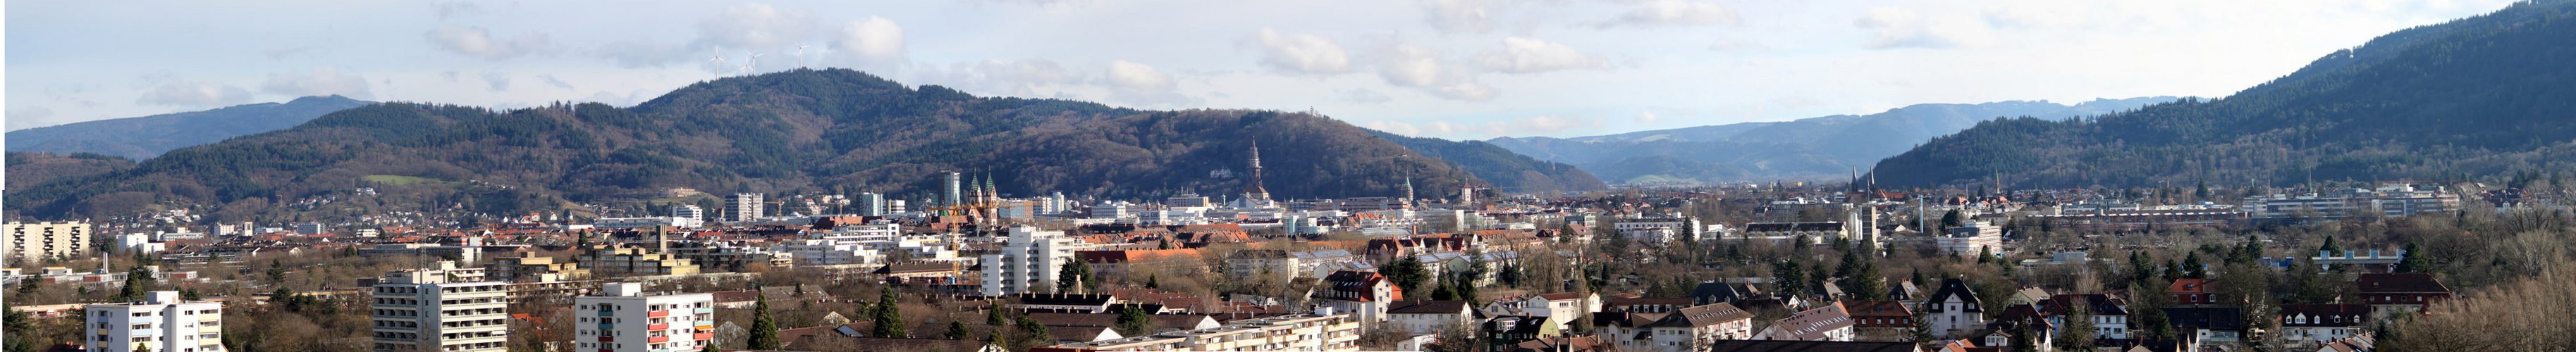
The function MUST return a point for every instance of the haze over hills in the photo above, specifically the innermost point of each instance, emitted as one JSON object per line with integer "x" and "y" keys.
{"x": 141, "y": 138}
{"x": 1819, "y": 147}
{"x": 791, "y": 131}
{"x": 1509, "y": 171}
{"x": 2480, "y": 96}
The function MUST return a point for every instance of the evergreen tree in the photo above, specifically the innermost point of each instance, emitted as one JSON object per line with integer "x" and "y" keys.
{"x": 20, "y": 340}
{"x": 1134, "y": 321}
{"x": 1789, "y": 278}
{"x": 2021, "y": 339}
{"x": 2414, "y": 261}
{"x": 957, "y": 331}
{"x": 1407, "y": 273}
{"x": 1866, "y": 284}
{"x": 1153, "y": 281}
{"x": 1076, "y": 272}
{"x": 2079, "y": 328}
{"x": 764, "y": 329}
{"x": 2330, "y": 246}
{"x": 889, "y": 318}
{"x": 994, "y": 317}
{"x": 2193, "y": 268}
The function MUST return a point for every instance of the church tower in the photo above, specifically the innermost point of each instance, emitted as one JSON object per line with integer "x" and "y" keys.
{"x": 1253, "y": 191}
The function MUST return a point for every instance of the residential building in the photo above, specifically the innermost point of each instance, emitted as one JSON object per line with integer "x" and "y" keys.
{"x": 1322, "y": 331}
{"x": 1562, "y": 307}
{"x": 1429, "y": 317}
{"x": 624, "y": 318}
{"x": 442, "y": 309}
{"x": 1881, "y": 314}
{"x": 2189, "y": 291}
{"x": 1362, "y": 294}
{"x": 1501, "y": 333}
{"x": 1686, "y": 329}
{"x": 648, "y": 222}
{"x": 38, "y": 242}
{"x": 1762, "y": 345}
{"x": 870, "y": 204}
{"x": 2110, "y": 314}
{"x": 530, "y": 267}
{"x": 742, "y": 207}
{"x": 1026, "y": 262}
{"x": 689, "y": 211}
{"x": 310, "y": 228}
{"x": 1829, "y": 322}
{"x": 1975, "y": 238}
{"x": 161, "y": 322}
{"x": 1954, "y": 309}
{"x": 2400, "y": 293}
{"x": 635, "y": 261}
{"x": 2323, "y": 323}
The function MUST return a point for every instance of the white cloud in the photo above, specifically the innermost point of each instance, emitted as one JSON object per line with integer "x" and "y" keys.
{"x": 477, "y": 42}
{"x": 1021, "y": 78}
{"x": 1364, "y": 96}
{"x": 1727, "y": 44}
{"x": 1418, "y": 67}
{"x": 1131, "y": 75}
{"x": 1458, "y": 16}
{"x": 1674, "y": 13}
{"x": 189, "y": 94}
{"x": 455, "y": 8}
{"x": 1901, "y": 28}
{"x": 1648, "y": 117}
{"x": 755, "y": 26}
{"x": 24, "y": 112}
{"x": 872, "y": 39}
{"x": 1399, "y": 128}
{"x": 552, "y": 81}
{"x": 639, "y": 54}
{"x": 1306, "y": 53}
{"x": 498, "y": 80}
{"x": 322, "y": 81}
{"x": 1525, "y": 55}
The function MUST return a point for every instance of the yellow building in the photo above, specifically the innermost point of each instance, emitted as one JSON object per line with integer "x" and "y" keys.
{"x": 38, "y": 242}
{"x": 634, "y": 261}
{"x": 530, "y": 267}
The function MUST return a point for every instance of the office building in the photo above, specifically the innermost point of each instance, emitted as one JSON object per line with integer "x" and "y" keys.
{"x": 622, "y": 318}
{"x": 161, "y": 322}
{"x": 871, "y": 204}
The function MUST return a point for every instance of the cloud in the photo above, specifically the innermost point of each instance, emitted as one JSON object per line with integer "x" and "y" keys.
{"x": 477, "y": 42}
{"x": 275, "y": 54}
{"x": 1003, "y": 76}
{"x": 24, "y": 112}
{"x": 1901, "y": 28}
{"x": 1306, "y": 53}
{"x": 755, "y": 26}
{"x": 451, "y": 76}
{"x": 1726, "y": 44}
{"x": 1364, "y": 96}
{"x": 455, "y": 8}
{"x": 638, "y": 54}
{"x": 497, "y": 80}
{"x": 1525, "y": 55}
{"x": 1648, "y": 117}
{"x": 1661, "y": 13}
{"x": 558, "y": 83}
{"x": 322, "y": 81}
{"x": 1458, "y": 16}
{"x": 189, "y": 94}
{"x": 1399, "y": 128}
{"x": 1131, "y": 75}
{"x": 1418, "y": 67}
{"x": 873, "y": 39}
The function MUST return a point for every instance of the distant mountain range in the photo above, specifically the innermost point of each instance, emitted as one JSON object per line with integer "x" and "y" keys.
{"x": 1818, "y": 147}
{"x": 802, "y": 130}
{"x": 145, "y": 137}
{"x": 1509, "y": 171}
{"x": 2471, "y": 99}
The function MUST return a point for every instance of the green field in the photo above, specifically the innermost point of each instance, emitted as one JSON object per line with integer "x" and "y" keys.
{"x": 397, "y": 180}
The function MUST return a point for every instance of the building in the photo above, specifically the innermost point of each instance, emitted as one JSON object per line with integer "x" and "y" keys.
{"x": 2189, "y": 291}
{"x": 649, "y": 222}
{"x": 443, "y": 309}
{"x": 161, "y": 322}
{"x": 1825, "y": 323}
{"x": 689, "y": 211}
{"x": 1975, "y": 238}
{"x": 952, "y": 190}
{"x": 1562, "y": 307}
{"x": 530, "y": 267}
{"x": 2110, "y": 314}
{"x": 1027, "y": 261}
{"x": 623, "y": 318}
{"x": 39, "y": 242}
{"x": 634, "y": 261}
{"x": 1686, "y": 329}
{"x": 1954, "y": 309}
{"x": 310, "y": 228}
{"x": 743, "y": 207}
{"x": 1322, "y": 331}
{"x": 1429, "y": 317}
{"x": 1364, "y": 294}
{"x": 1812, "y": 232}
{"x": 2400, "y": 293}
{"x": 871, "y": 204}
{"x": 2323, "y": 323}
{"x": 1503, "y": 332}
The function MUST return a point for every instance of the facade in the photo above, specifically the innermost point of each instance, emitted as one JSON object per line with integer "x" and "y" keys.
{"x": 38, "y": 242}
{"x": 1826, "y": 323}
{"x": 1974, "y": 238}
{"x": 1428, "y": 317}
{"x": 1686, "y": 329}
{"x": 2192, "y": 292}
{"x": 743, "y": 207}
{"x": 623, "y": 318}
{"x": 530, "y": 267}
{"x": 2322, "y": 323}
{"x": 1363, "y": 294}
{"x": 1027, "y": 261}
{"x": 689, "y": 211}
{"x": 444, "y": 309}
{"x": 1562, "y": 307}
{"x": 161, "y": 322}
{"x": 635, "y": 261}
{"x": 1323, "y": 331}
{"x": 648, "y": 222}
{"x": 2400, "y": 293}
{"x": 871, "y": 204}
{"x": 1954, "y": 309}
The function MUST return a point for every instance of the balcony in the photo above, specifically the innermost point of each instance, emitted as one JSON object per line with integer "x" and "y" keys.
{"x": 657, "y": 314}
{"x": 657, "y": 339}
{"x": 607, "y": 339}
{"x": 704, "y": 311}
{"x": 703, "y": 336}
{"x": 606, "y": 313}
{"x": 662, "y": 326}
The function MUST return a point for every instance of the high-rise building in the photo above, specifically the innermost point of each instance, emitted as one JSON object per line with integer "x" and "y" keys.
{"x": 688, "y": 211}
{"x": 953, "y": 191}
{"x": 1027, "y": 262}
{"x": 442, "y": 309}
{"x": 622, "y": 318}
{"x": 37, "y": 242}
{"x": 161, "y": 322}
{"x": 742, "y": 207}
{"x": 871, "y": 204}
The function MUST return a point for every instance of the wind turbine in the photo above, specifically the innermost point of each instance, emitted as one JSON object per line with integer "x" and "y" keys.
{"x": 800, "y": 54}
{"x": 751, "y": 64}
{"x": 717, "y": 59}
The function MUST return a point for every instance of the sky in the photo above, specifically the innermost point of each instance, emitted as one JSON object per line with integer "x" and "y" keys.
{"x": 1457, "y": 69}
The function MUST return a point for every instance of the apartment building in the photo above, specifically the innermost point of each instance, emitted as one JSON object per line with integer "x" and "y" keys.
{"x": 1027, "y": 261}
{"x": 161, "y": 322}
{"x": 1321, "y": 331}
{"x": 37, "y": 242}
{"x": 442, "y": 309}
{"x": 624, "y": 318}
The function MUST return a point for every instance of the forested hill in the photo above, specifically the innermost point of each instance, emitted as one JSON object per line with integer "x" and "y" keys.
{"x": 1818, "y": 147}
{"x": 2484, "y": 95}
{"x": 1508, "y": 171}
{"x": 141, "y": 138}
{"x": 803, "y": 130}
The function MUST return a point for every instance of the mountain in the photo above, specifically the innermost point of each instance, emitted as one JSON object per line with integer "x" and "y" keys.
{"x": 1508, "y": 171}
{"x": 30, "y": 168}
{"x": 141, "y": 138}
{"x": 1818, "y": 147}
{"x": 802, "y": 130}
{"x": 2485, "y": 95}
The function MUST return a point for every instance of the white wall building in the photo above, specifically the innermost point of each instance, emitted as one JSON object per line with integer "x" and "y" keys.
{"x": 37, "y": 242}
{"x": 743, "y": 207}
{"x": 623, "y": 318}
{"x": 649, "y": 222}
{"x": 161, "y": 322}
{"x": 1973, "y": 238}
{"x": 1027, "y": 262}
{"x": 444, "y": 309}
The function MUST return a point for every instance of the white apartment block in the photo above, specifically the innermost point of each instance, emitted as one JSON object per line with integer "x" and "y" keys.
{"x": 1027, "y": 261}
{"x": 444, "y": 309}
{"x": 1323, "y": 331}
{"x": 625, "y": 319}
{"x": 37, "y": 242}
{"x": 1971, "y": 239}
{"x": 161, "y": 323}
{"x": 743, "y": 207}
{"x": 648, "y": 222}
{"x": 688, "y": 211}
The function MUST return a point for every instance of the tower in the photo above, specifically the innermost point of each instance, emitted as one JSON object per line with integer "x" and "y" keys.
{"x": 1253, "y": 192}
{"x": 951, "y": 197}
{"x": 1408, "y": 193}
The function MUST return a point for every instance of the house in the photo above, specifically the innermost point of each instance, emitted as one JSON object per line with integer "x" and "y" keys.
{"x": 1880, "y": 314}
{"x": 1954, "y": 309}
{"x": 1685, "y": 329}
{"x": 1830, "y": 322}
{"x": 842, "y": 342}
{"x": 1502, "y": 333}
{"x": 2208, "y": 324}
{"x": 2193, "y": 292}
{"x": 1836, "y": 346}
{"x": 2395, "y": 293}
{"x": 1646, "y": 305}
{"x": 1428, "y": 317}
{"x": 1562, "y": 307}
{"x": 1064, "y": 303}
{"x": 1721, "y": 292}
{"x": 1585, "y": 343}
{"x": 2323, "y": 323}
{"x": 2110, "y": 314}
{"x": 1160, "y": 322}
{"x": 2000, "y": 333}
{"x": 1364, "y": 294}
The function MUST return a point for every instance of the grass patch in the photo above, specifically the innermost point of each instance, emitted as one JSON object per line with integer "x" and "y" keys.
{"x": 397, "y": 180}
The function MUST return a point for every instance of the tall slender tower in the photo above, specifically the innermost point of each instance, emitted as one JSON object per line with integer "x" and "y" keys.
{"x": 1254, "y": 192}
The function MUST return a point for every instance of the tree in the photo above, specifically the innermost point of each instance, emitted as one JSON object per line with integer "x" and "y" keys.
{"x": 2079, "y": 328}
{"x": 764, "y": 329}
{"x": 2413, "y": 261}
{"x": 1153, "y": 281}
{"x": 1789, "y": 277}
{"x": 710, "y": 348}
{"x": 1073, "y": 273}
{"x": 889, "y": 318}
{"x": 957, "y": 331}
{"x": 1866, "y": 283}
{"x": 1951, "y": 219}
{"x": 2193, "y": 268}
{"x": 1134, "y": 321}
{"x": 2021, "y": 339}
{"x": 1407, "y": 273}
{"x": 994, "y": 317}
{"x": 2330, "y": 246}
{"x": 18, "y": 334}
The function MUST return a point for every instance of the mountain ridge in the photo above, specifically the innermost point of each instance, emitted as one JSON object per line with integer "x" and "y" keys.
{"x": 145, "y": 137}
{"x": 1829, "y": 146}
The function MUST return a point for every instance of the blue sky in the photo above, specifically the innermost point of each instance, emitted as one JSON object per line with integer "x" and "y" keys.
{"x": 1440, "y": 68}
